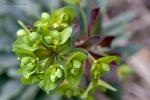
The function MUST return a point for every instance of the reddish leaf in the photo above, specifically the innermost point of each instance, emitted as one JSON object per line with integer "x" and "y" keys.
{"x": 90, "y": 42}
{"x": 95, "y": 55}
{"x": 95, "y": 14}
{"x": 87, "y": 67}
{"x": 106, "y": 42}
{"x": 96, "y": 40}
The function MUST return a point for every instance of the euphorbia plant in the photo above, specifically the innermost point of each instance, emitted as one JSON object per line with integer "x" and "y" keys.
{"x": 49, "y": 58}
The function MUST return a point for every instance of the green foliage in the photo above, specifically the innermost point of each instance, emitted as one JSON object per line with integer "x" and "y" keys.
{"x": 47, "y": 57}
{"x": 25, "y": 49}
{"x": 52, "y": 77}
{"x": 101, "y": 66}
{"x": 40, "y": 53}
{"x": 54, "y": 38}
{"x": 59, "y": 20}
{"x": 28, "y": 66}
{"x": 74, "y": 68}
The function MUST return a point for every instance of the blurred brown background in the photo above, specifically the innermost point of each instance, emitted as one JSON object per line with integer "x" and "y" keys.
{"x": 139, "y": 86}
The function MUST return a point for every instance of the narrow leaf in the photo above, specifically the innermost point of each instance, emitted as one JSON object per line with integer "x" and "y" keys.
{"x": 101, "y": 83}
{"x": 90, "y": 42}
{"x": 94, "y": 22}
{"x": 23, "y": 26}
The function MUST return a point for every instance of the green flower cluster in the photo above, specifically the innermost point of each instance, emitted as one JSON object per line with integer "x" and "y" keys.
{"x": 46, "y": 55}
{"x": 102, "y": 66}
{"x": 48, "y": 59}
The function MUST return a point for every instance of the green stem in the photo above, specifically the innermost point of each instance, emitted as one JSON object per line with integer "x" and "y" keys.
{"x": 23, "y": 26}
{"x": 49, "y": 61}
{"x": 84, "y": 18}
{"x": 86, "y": 93}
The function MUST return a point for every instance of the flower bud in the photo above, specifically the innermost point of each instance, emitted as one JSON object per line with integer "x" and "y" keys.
{"x": 25, "y": 60}
{"x": 56, "y": 25}
{"x": 45, "y": 16}
{"x": 28, "y": 61}
{"x": 21, "y": 32}
{"x": 30, "y": 66}
{"x": 55, "y": 37}
{"x": 55, "y": 41}
{"x": 55, "y": 34}
{"x": 58, "y": 73}
{"x": 76, "y": 64}
{"x": 53, "y": 78}
{"x": 73, "y": 71}
{"x": 33, "y": 36}
{"x": 48, "y": 39}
